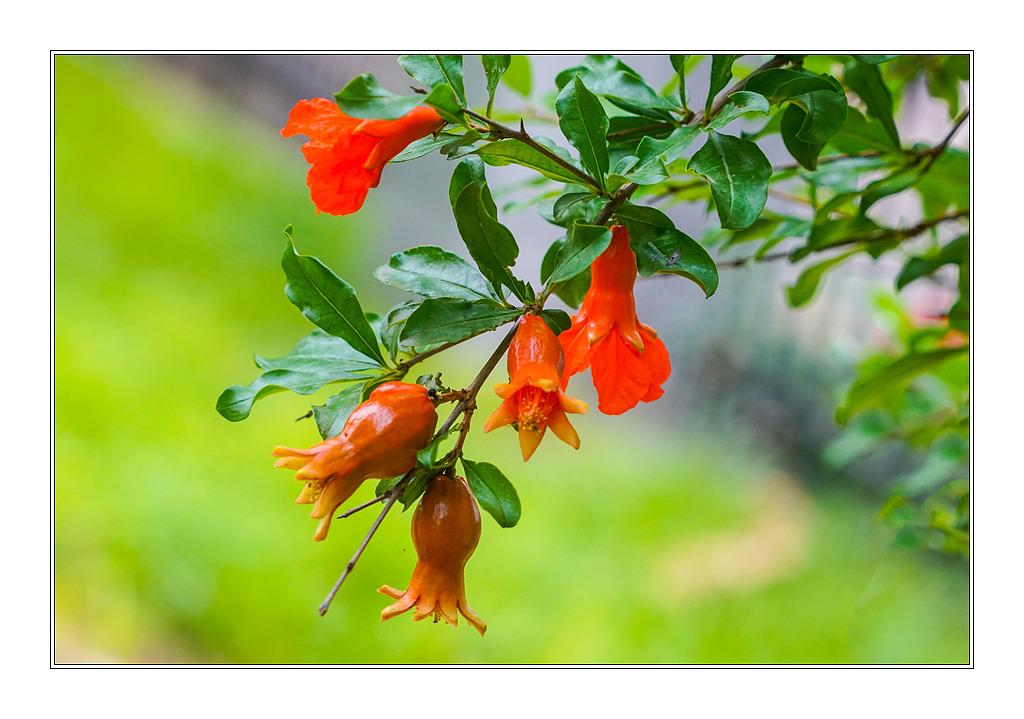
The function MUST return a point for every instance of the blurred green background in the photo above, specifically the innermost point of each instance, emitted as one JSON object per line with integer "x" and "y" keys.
{"x": 675, "y": 540}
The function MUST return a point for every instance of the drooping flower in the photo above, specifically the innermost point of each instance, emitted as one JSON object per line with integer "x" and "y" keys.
{"x": 379, "y": 439}
{"x": 534, "y": 396}
{"x": 627, "y": 361}
{"x": 445, "y": 531}
{"x": 347, "y": 154}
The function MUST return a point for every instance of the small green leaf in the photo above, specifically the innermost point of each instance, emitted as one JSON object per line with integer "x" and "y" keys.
{"x": 442, "y": 98}
{"x": 433, "y": 272}
{"x": 807, "y": 283}
{"x": 572, "y": 291}
{"x": 806, "y": 153}
{"x": 557, "y": 320}
{"x": 585, "y": 243}
{"x": 317, "y": 360}
{"x": 585, "y": 124}
{"x": 867, "y": 82}
{"x": 517, "y": 77}
{"x": 661, "y": 248}
{"x": 489, "y": 242}
{"x": 620, "y": 84}
{"x": 739, "y": 103}
{"x": 572, "y": 206}
{"x": 721, "y": 73}
{"x": 512, "y": 151}
{"x": 365, "y": 97}
{"x": 328, "y": 301}
{"x": 679, "y": 65}
{"x": 494, "y": 67}
{"x": 868, "y": 391}
{"x": 859, "y": 134}
{"x": 738, "y": 172}
{"x": 391, "y": 331}
{"x": 953, "y": 253}
{"x": 893, "y": 184}
{"x": 493, "y": 492}
{"x": 779, "y": 85}
{"x": 469, "y": 170}
{"x": 434, "y": 70}
{"x": 437, "y": 321}
{"x": 424, "y": 146}
{"x": 330, "y": 417}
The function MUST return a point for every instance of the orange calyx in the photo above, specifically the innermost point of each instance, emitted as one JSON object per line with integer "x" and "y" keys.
{"x": 628, "y": 361}
{"x": 533, "y": 398}
{"x": 347, "y": 154}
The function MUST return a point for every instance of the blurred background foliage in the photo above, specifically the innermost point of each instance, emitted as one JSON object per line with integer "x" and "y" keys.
{"x": 726, "y": 523}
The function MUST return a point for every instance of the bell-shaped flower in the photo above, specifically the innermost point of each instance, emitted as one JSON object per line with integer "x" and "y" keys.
{"x": 347, "y": 154}
{"x": 445, "y": 531}
{"x": 379, "y": 440}
{"x": 627, "y": 361}
{"x": 534, "y": 399}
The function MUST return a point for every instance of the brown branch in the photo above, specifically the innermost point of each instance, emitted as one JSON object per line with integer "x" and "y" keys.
{"x": 933, "y": 153}
{"x": 465, "y": 406}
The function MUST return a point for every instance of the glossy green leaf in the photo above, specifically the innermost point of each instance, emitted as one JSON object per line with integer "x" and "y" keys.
{"x": 330, "y": 417}
{"x": 493, "y": 492}
{"x": 584, "y": 123}
{"x": 572, "y": 291}
{"x": 779, "y": 84}
{"x": 859, "y": 134}
{"x": 661, "y": 248}
{"x": 437, "y": 321}
{"x": 807, "y": 283}
{"x": 328, "y": 301}
{"x": 317, "y": 360}
{"x": 434, "y": 70}
{"x": 679, "y": 65}
{"x": 489, "y": 242}
{"x": 738, "y": 172}
{"x": 470, "y": 170}
{"x": 806, "y": 153}
{"x": 582, "y": 206}
{"x": 391, "y": 327}
{"x": 739, "y": 103}
{"x": 868, "y": 391}
{"x": 512, "y": 151}
{"x": 518, "y": 77}
{"x": 364, "y": 97}
{"x": 947, "y": 184}
{"x": 867, "y": 82}
{"x": 434, "y": 272}
{"x": 424, "y": 146}
{"x": 954, "y": 252}
{"x": 825, "y": 115}
{"x": 620, "y": 84}
{"x": 582, "y": 247}
{"x": 494, "y": 67}
{"x": 892, "y": 184}
{"x": 443, "y": 99}
{"x": 558, "y": 320}
{"x": 668, "y": 149}
{"x": 721, "y": 73}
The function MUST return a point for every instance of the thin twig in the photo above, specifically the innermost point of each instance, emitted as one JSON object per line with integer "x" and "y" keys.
{"x": 465, "y": 406}
{"x": 504, "y": 132}
{"x": 892, "y": 234}
{"x": 699, "y": 118}
{"x": 361, "y": 507}
{"x": 934, "y": 153}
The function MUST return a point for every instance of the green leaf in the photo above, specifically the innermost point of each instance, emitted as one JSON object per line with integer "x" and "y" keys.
{"x": 867, "y": 82}
{"x": 860, "y": 135}
{"x": 434, "y": 70}
{"x": 424, "y": 146}
{"x": 893, "y": 184}
{"x": 557, "y": 320}
{"x": 868, "y": 391}
{"x": 667, "y": 150}
{"x": 572, "y": 206}
{"x": 517, "y": 77}
{"x": 493, "y": 492}
{"x": 433, "y": 272}
{"x": 738, "y": 172}
{"x": 489, "y": 242}
{"x": 470, "y": 170}
{"x": 584, "y": 123}
{"x": 512, "y": 151}
{"x": 619, "y": 84}
{"x": 661, "y": 248}
{"x": 826, "y": 114}
{"x": 739, "y": 103}
{"x": 807, "y": 283}
{"x": 953, "y": 253}
{"x": 806, "y": 153}
{"x": 779, "y": 85}
{"x": 585, "y": 243}
{"x": 328, "y": 301}
{"x": 391, "y": 331}
{"x": 330, "y": 417}
{"x": 721, "y": 73}
{"x": 947, "y": 184}
{"x": 572, "y": 291}
{"x": 437, "y": 321}
{"x": 443, "y": 99}
{"x": 317, "y": 360}
{"x": 679, "y": 65}
{"x": 494, "y": 67}
{"x": 365, "y": 97}
{"x": 875, "y": 59}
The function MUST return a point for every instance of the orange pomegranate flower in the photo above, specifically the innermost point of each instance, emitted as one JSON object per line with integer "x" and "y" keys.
{"x": 534, "y": 396}
{"x": 627, "y": 361}
{"x": 347, "y": 154}
{"x": 445, "y": 531}
{"x": 379, "y": 439}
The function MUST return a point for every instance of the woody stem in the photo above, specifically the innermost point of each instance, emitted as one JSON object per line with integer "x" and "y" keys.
{"x": 466, "y": 406}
